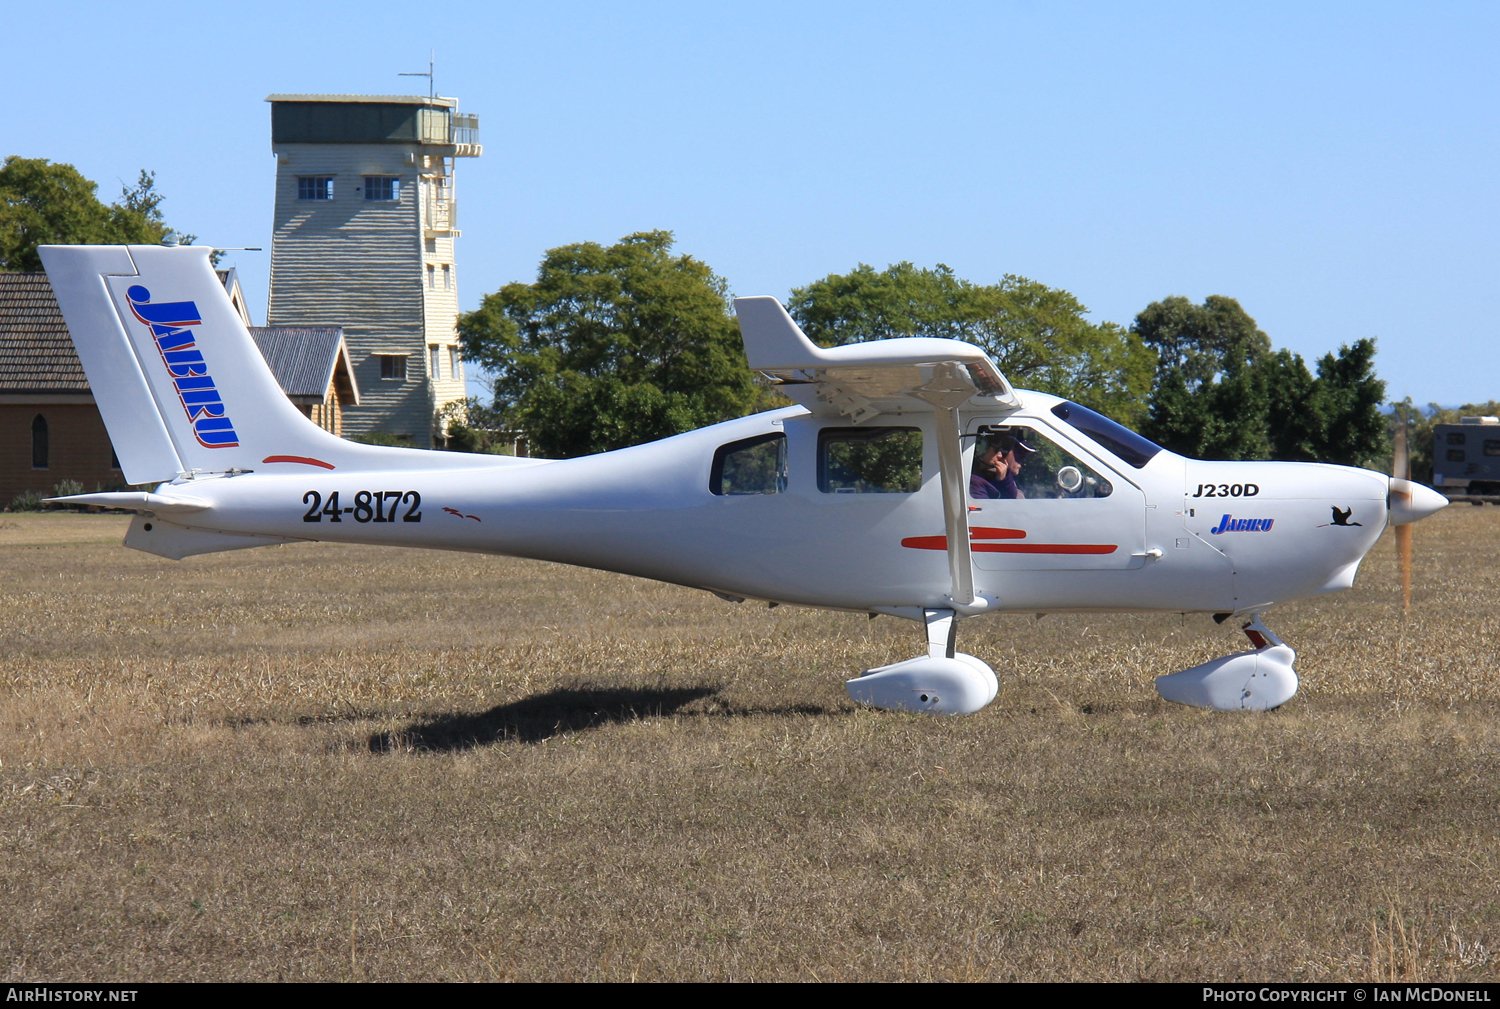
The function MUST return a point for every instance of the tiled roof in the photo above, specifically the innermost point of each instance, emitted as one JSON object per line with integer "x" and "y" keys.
{"x": 36, "y": 353}
{"x": 301, "y": 357}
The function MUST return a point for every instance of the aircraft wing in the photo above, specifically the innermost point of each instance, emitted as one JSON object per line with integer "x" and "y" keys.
{"x": 863, "y": 380}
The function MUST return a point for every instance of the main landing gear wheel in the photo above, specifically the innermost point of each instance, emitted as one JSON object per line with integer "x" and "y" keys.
{"x": 942, "y": 682}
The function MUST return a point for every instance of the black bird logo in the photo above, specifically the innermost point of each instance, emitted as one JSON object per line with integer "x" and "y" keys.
{"x": 1341, "y": 517}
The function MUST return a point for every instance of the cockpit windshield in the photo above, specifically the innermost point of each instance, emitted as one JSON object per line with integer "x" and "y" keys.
{"x": 1118, "y": 438}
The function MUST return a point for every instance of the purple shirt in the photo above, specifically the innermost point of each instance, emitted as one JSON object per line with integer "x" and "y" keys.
{"x": 987, "y": 488}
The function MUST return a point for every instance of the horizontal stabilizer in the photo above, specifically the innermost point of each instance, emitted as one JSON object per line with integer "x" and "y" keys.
{"x": 134, "y": 501}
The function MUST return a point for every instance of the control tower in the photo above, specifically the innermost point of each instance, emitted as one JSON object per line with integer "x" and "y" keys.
{"x": 364, "y": 239}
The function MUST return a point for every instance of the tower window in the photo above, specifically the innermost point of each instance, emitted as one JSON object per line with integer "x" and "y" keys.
{"x": 39, "y": 442}
{"x": 314, "y": 187}
{"x": 434, "y": 351}
{"x": 383, "y": 188}
{"x": 447, "y": 277}
{"x": 431, "y": 277}
{"x": 393, "y": 366}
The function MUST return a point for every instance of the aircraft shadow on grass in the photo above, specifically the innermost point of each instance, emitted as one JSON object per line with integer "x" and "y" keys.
{"x": 555, "y": 713}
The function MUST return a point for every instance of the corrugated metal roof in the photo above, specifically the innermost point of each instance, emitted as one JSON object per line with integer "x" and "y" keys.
{"x": 446, "y": 103}
{"x": 301, "y": 357}
{"x": 36, "y": 352}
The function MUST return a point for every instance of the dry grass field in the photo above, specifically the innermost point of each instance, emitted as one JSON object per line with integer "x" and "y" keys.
{"x": 314, "y": 762}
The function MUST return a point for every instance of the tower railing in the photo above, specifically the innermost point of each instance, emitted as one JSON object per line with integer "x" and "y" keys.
{"x": 464, "y": 129}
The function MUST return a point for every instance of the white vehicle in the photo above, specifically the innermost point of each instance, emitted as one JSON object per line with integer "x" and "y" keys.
{"x": 856, "y": 499}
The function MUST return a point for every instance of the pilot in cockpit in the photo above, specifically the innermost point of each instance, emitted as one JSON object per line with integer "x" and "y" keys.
{"x": 997, "y": 463}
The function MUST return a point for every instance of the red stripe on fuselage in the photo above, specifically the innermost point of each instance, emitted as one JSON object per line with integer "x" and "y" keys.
{"x": 304, "y": 460}
{"x": 983, "y": 533}
{"x": 1043, "y": 548}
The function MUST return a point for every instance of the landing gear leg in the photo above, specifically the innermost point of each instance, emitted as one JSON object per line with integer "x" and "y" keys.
{"x": 942, "y": 682}
{"x": 942, "y": 633}
{"x": 1257, "y": 680}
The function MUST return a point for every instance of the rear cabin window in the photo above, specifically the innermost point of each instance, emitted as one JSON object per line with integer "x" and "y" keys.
{"x": 1491, "y": 446}
{"x": 752, "y": 466}
{"x": 869, "y": 460}
{"x": 1455, "y": 455}
{"x": 1455, "y": 437}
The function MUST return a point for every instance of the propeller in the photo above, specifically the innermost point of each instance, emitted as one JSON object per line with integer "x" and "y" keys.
{"x": 1401, "y": 498}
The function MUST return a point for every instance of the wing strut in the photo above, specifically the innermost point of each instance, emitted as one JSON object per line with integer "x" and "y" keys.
{"x": 946, "y": 392}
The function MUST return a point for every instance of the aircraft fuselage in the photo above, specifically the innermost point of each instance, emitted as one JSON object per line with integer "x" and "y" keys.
{"x": 1175, "y": 534}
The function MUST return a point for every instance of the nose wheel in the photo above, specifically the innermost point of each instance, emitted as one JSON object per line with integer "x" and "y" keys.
{"x": 1257, "y": 680}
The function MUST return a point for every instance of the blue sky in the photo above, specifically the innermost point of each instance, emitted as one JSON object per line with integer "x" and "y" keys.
{"x": 1332, "y": 166}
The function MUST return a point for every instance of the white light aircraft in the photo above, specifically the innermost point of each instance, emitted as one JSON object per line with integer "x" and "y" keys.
{"x": 860, "y": 498}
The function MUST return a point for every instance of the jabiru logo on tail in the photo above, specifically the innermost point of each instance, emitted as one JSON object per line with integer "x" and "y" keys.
{"x": 179, "y": 351}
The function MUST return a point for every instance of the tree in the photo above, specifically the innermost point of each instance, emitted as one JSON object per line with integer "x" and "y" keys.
{"x": 611, "y": 346}
{"x": 1037, "y": 335}
{"x": 46, "y": 204}
{"x": 1221, "y": 393}
{"x": 1348, "y": 399}
{"x": 1208, "y": 400}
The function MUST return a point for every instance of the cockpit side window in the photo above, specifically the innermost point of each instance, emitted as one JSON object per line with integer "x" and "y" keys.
{"x": 1015, "y": 461}
{"x": 1116, "y": 438}
{"x": 751, "y": 466}
{"x": 869, "y": 460}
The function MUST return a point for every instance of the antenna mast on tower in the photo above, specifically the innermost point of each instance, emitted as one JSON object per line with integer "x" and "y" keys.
{"x": 431, "y": 84}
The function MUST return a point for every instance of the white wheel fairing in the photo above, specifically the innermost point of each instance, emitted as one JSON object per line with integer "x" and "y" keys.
{"x": 1246, "y": 681}
{"x": 941, "y": 686}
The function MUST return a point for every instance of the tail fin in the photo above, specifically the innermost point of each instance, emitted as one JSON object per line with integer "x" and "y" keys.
{"x": 180, "y": 384}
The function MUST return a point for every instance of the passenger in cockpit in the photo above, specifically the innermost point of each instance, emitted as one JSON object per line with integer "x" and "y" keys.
{"x": 997, "y": 463}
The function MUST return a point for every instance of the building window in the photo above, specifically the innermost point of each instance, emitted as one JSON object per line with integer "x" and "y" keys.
{"x": 433, "y": 351}
{"x": 447, "y": 277}
{"x": 314, "y": 187}
{"x": 454, "y": 372}
{"x": 431, "y": 277}
{"x": 393, "y": 367}
{"x": 384, "y": 188}
{"x": 39, "y": 442}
